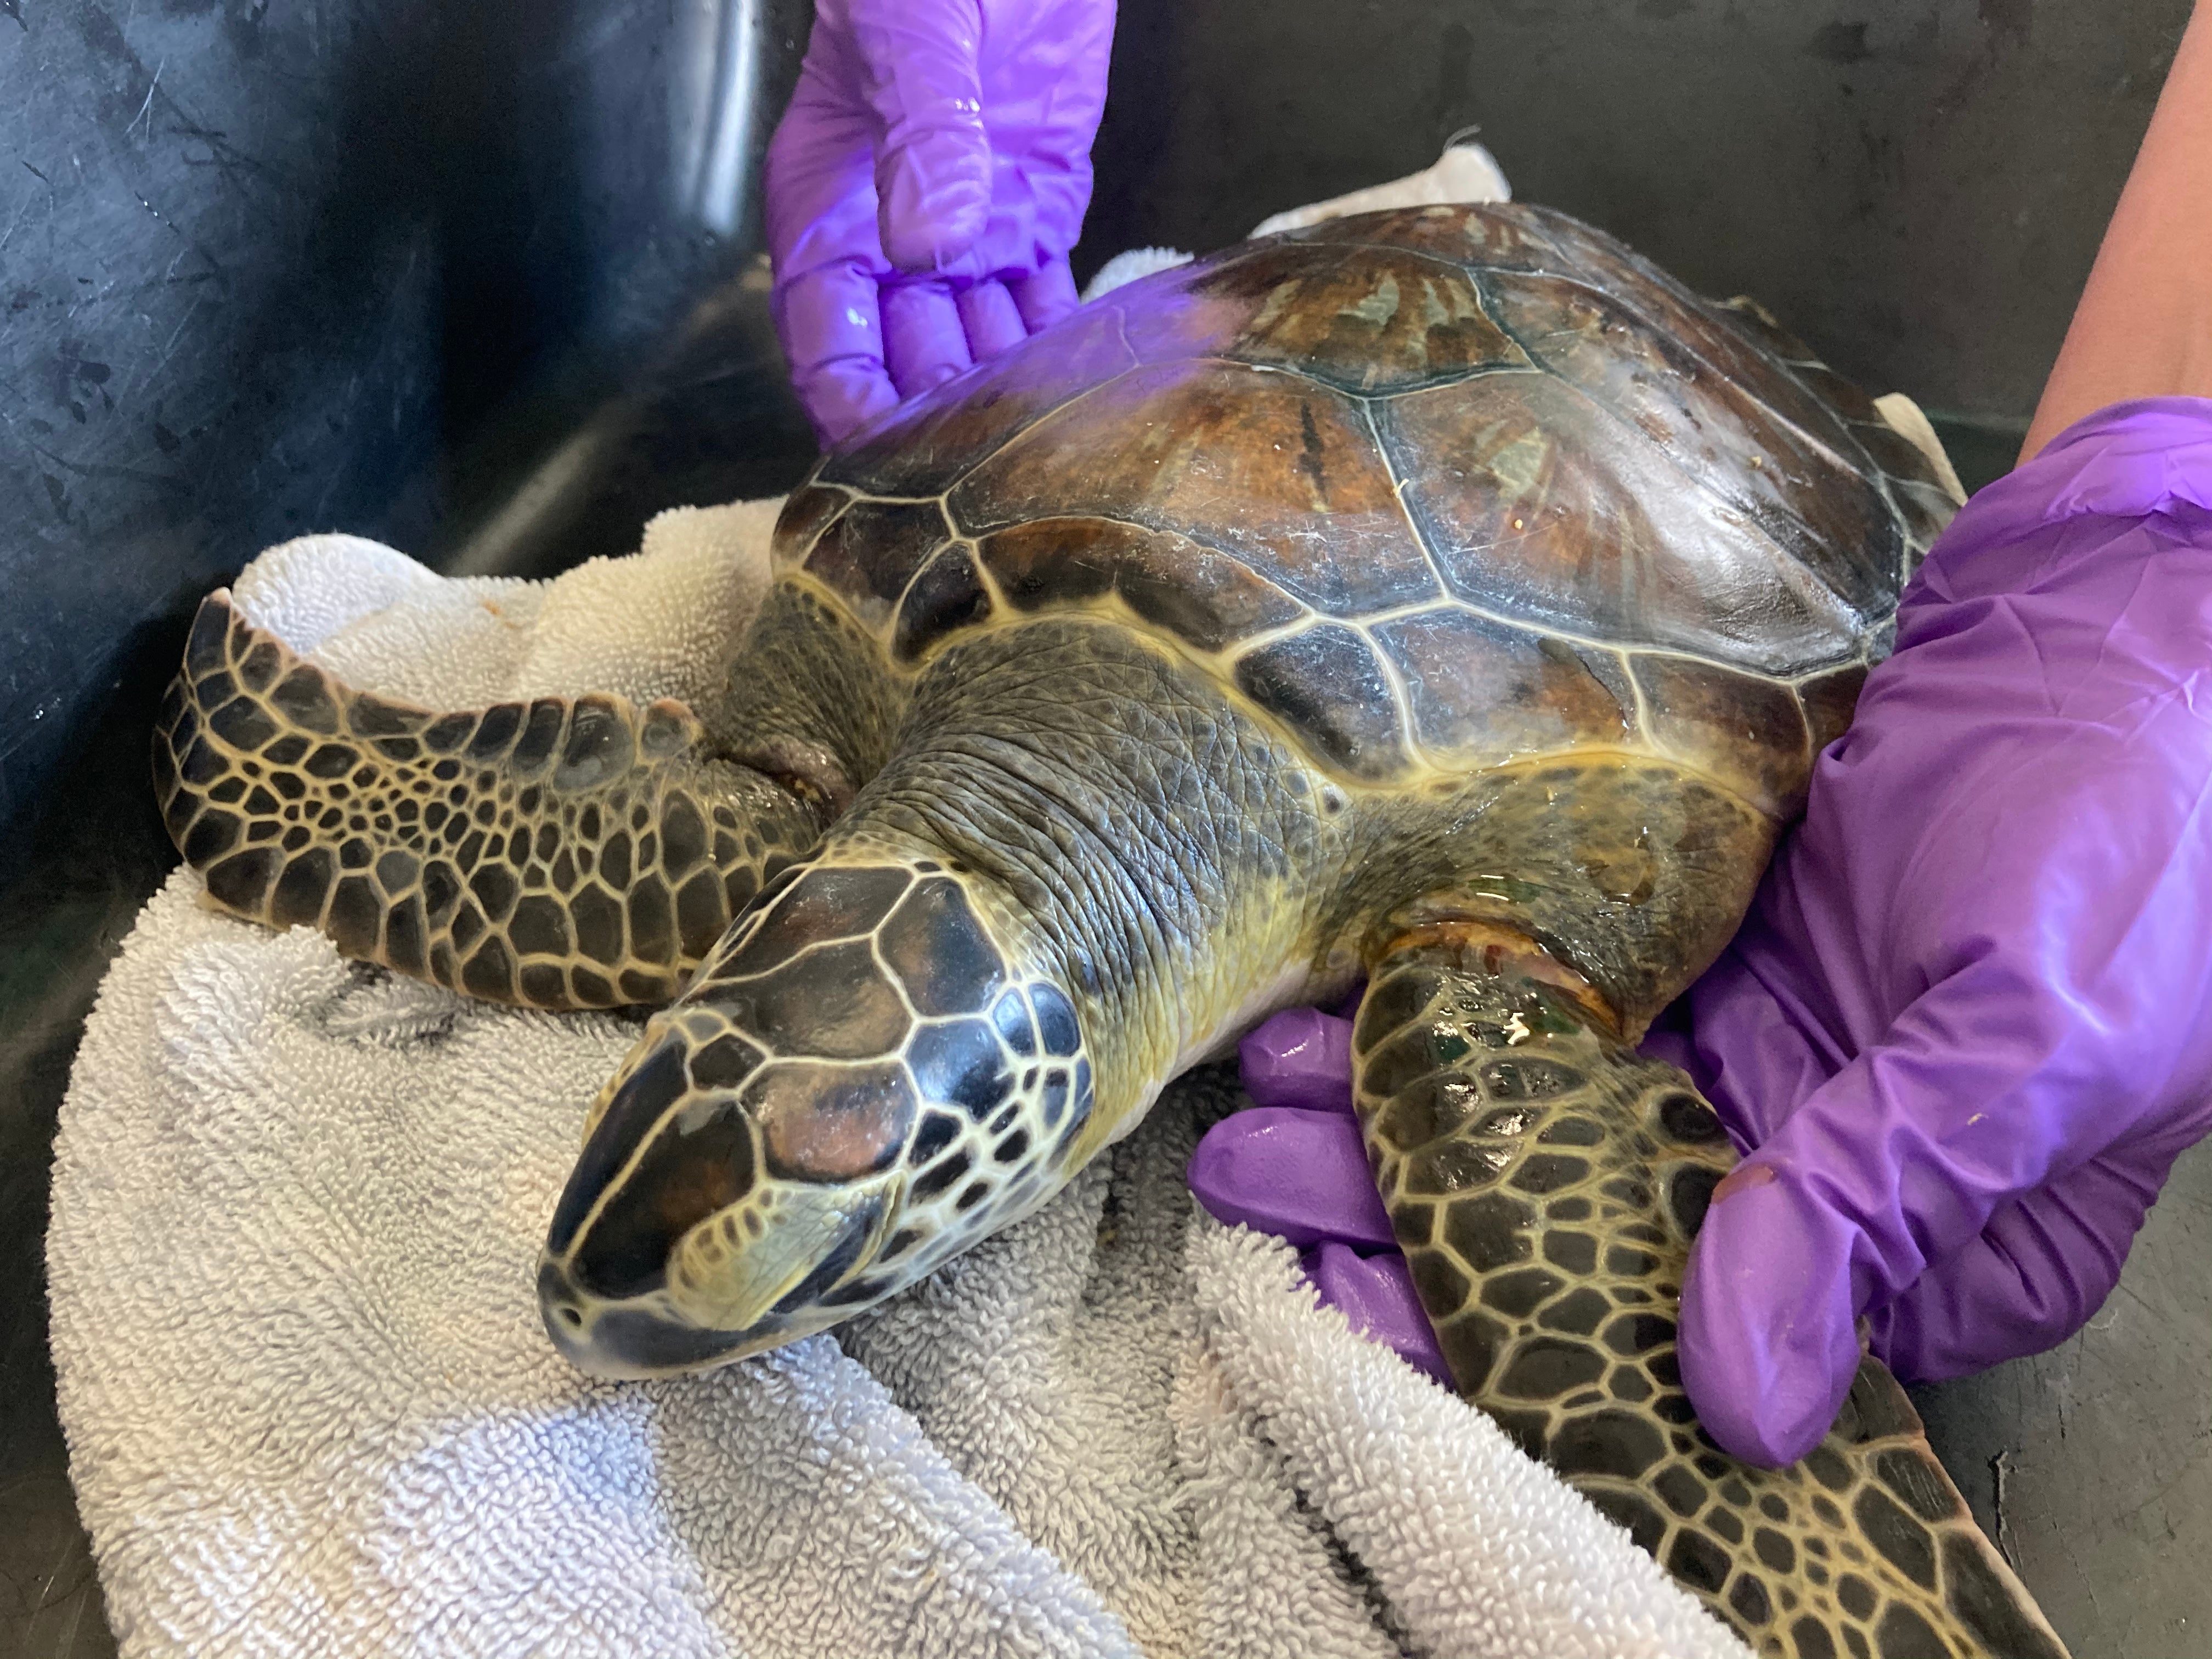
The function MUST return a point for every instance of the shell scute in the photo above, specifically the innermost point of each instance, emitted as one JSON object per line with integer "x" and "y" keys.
{"x": 1743, "y": 729}
{"x": 1829, "y": 701}
{"x": 1325, "y": 683}
{"x": 1482, "y": 691}
{"x": 1805, "y": 494}
{"x": 946, "y": 597}
{"x": 809, "y": 511}
{"x": 1605, "y": 541}
{"x": 1489, "y": 241}
{"x": 1279, "y": 472}
{"x": 1434, "y": 489}
{"x": 974, "y": 413}
{"x": 873, "y": 550}
{"x": 1203, "y": 595}
{"x": 1367, "y": 320}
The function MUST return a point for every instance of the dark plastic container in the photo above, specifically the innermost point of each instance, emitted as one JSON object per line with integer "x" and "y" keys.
{"x": 481, "y": 280}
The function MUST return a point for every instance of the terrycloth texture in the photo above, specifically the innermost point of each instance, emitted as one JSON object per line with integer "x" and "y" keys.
{"x": 297, "y": 1206}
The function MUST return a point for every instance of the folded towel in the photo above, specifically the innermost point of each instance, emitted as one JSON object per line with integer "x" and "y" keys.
{"x": 297, "y": 1204}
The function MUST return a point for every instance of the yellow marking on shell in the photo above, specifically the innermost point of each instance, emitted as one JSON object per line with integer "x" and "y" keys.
{"x": 1519, "y": 465}
{"x": 1280, "y": 299}
{"x": 1380, "y": 307}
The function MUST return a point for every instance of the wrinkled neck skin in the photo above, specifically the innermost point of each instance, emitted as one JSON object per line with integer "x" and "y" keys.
{"x": 1081, "y": 872}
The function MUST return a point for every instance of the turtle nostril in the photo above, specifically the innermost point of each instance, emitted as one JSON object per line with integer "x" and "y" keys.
{"x": 570, "y": 1315}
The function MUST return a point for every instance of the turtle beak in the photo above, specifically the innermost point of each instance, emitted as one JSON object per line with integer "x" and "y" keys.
{"x": 821, "y": 1243}
{"x": 670, "y": 1252}
{"x": 721, "y": 1303}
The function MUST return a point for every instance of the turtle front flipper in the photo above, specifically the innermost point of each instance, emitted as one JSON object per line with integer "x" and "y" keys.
{"x": 1546, "y": 1182}
{"x": 564, "y": 852}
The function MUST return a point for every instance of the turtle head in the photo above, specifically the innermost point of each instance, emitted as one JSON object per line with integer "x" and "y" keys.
{"x": 864, "y": 1078}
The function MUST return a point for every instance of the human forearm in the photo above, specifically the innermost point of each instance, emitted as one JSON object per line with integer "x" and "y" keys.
{"x": 2144, "y": 327}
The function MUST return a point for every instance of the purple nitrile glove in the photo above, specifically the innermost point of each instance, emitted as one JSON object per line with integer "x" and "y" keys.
{"x": 1967, "y": 1026}
{"x": 1292, "y": 1165}
{"x": 924, "y": 188}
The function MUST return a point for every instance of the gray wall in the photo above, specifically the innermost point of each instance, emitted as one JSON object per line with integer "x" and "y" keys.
{"x": 1917, "y": 186}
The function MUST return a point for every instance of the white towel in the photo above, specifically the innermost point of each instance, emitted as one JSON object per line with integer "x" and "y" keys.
{"x": 297, "y": 1206}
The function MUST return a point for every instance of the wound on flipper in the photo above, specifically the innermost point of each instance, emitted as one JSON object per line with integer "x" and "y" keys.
{"x": 1545, "y": 1181}
{"x": 562, "y": 853}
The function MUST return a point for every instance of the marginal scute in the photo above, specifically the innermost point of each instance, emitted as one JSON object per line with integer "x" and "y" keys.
{"x": 1198, "y": 593}
{"x": 1739, "y": 727}
{"x": 1370, "y": 321}
{"x": 1896, "y": 454}
{"x": 947, "y": 596}
{"x": 1485, "y": 693}
{"x": 1829, "y": 701}
{"x": 1325, "y": 684}
{"x": 807, "y": 513}
{"x": 872, "y": 552}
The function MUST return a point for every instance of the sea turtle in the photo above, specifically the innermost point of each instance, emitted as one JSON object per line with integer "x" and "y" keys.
{"x": 1445, "y": 596}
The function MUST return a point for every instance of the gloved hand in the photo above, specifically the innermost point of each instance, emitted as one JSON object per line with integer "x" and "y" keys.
{"x": 924, "y": 188}
{"x": 1967, "y": 1026}
{"x": 1292, "y": 1165}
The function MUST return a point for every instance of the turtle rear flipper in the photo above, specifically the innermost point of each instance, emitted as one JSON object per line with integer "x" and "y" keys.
{"x": 560, "y": 854}
{"x": 1546, "y": 1182}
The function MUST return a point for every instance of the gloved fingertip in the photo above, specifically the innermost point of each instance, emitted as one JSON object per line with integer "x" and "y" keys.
{"x": 1375, "y": 1295}
{"x": 1767, "y": 1342}
{"x": 840, "y": 398}
{"x": 991, "y": 319}
{"x": 1301, "y": 1058}
{"x": 1300, "y": 1175}
{"x": 1045, "y": 296}
{"x": 928, "y": 377}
